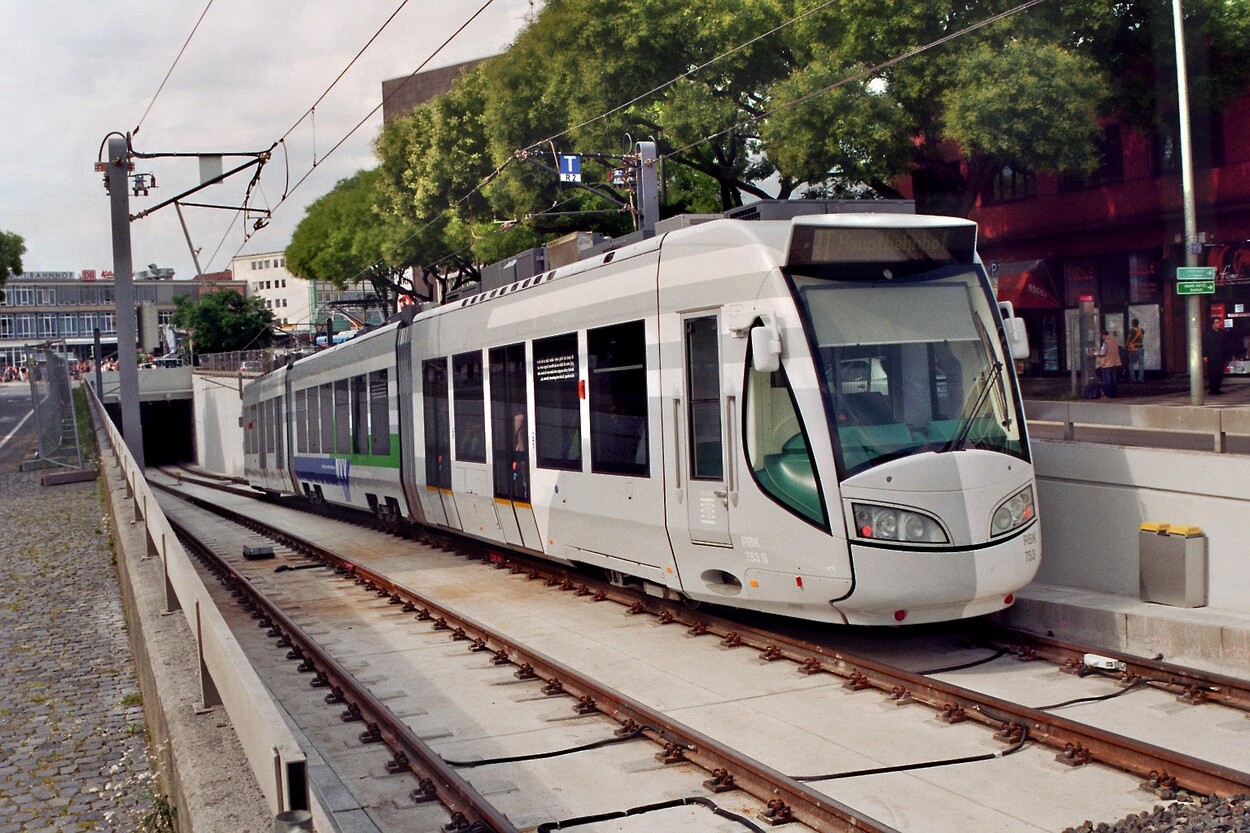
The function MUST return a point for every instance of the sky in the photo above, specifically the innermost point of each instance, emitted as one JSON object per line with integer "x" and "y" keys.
{"x": 74, "y": 71}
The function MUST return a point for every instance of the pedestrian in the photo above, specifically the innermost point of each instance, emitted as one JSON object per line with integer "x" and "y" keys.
{"x": 1213, "y": 355}
{"x": 1109, "y": 363}
{"x": 1136, "y": 352}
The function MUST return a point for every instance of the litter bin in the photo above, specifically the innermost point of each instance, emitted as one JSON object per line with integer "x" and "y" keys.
{"x": 1173, "y": 564}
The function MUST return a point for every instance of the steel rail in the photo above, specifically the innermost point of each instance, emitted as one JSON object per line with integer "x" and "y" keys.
{"x": 1192, "y": 685}
{"x": 437, "y": 779}
{"x": 785, "y": 797}
{"x": 1076, "y": 743}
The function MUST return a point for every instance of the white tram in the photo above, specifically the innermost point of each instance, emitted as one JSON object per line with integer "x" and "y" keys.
{"x": 815, "y": 417}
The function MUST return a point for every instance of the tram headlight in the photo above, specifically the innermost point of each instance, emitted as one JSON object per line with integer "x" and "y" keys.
{"x": 889, "y": 523}
{"x": 1013, "y": 513}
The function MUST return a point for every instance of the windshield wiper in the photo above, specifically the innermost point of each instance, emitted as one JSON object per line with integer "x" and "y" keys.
{"x": 956, "y": 442}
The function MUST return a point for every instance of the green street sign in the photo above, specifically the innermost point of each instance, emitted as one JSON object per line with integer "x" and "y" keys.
{"x": 1195, "y": 287}
{"x": 1195, "y": 273}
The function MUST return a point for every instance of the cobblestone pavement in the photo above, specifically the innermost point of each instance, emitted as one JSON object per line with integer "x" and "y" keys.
{"x": 73, "y": 751}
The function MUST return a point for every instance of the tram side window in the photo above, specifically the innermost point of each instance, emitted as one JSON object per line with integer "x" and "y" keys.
{"x": 380, "y": 413}
{"x": 781, "y": 462}
{"x": 327, "y": 418}
{"x": 470, "y": 408}
{"x": 360, "y": 413}
{"x": 301, "y": 421}
{"x": 557, "y": 407}
{"x": 342, "y": 417}
{"x": 618, "y": 399}
{"x": 314, "y": 421}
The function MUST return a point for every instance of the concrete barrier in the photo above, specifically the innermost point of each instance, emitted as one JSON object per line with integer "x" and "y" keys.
{"x": 227, "y": 677}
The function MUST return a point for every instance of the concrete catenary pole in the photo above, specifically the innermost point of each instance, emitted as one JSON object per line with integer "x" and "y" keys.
{"x": 648, "y": 191}
{"x": 1193, "y": 303}
{"x": 124, "y": 294}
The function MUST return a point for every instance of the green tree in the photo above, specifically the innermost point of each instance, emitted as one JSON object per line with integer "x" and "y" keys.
{"x": 224, "y": 321}
{"x": 847, "y": 99}
{"x": 12, "y": 247}
{"x": 343, "y": 239}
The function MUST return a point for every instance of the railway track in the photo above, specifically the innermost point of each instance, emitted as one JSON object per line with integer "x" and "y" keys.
{"x": 777, "y": 798}
{"x": 1160, "y": 770}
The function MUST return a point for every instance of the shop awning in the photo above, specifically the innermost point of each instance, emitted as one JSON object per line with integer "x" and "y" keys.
{"x": 1026, "y": 285}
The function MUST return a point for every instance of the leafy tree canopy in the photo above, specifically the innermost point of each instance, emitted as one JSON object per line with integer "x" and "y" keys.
{"x": 12, "y": 247}
{"x": 343, "y": 239}
{"x": 224, "y": 321}
{"x": 848, "y": 98}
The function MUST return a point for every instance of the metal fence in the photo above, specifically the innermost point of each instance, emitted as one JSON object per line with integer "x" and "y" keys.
{"x": 52, "y": 394}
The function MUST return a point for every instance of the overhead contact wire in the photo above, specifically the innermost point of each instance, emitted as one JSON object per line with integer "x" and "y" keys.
{"x": 371, "y": 113}
{"x": 194, "y": 29}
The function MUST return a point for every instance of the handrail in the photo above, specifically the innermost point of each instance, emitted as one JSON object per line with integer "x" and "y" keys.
{"x": 1158, "y": 426}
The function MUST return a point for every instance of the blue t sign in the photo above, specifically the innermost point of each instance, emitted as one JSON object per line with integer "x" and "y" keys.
{"x": 570, "y": 168}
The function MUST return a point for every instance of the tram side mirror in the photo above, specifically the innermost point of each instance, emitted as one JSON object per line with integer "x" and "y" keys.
{"x": 765, "y": 348}
{"x": 1013, "y": 327}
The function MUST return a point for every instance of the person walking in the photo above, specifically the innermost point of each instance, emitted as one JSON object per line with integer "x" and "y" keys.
{"x": 1136, "y": 352}
{"x": 1213, "y": 355}
{"x": 1109, "y": 363}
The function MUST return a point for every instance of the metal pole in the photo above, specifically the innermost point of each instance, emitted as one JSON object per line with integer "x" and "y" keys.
{"x": 98, "y": 353}
{"x": 1193, "y": 304}
{"x": 194, "y": 256}
{"x": 124, "y": 293}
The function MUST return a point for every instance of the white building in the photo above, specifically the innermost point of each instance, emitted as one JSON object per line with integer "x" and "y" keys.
{"x": 298, "y": 305}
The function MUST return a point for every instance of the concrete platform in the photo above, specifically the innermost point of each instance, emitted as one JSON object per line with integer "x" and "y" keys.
{"x": 1203, "y": 637}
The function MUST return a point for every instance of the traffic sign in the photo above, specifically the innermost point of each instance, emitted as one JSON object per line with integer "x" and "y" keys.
{"x": 1195, "y": 287}
{"x": 1195, "y": 273}
{"x": 570, "y": 167}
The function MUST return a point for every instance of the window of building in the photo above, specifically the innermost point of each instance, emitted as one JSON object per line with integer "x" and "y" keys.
{"x": 1206, "y": 143}
{"x": 468, "y": 391}
{"x": 6, "y": 326}
{"x": 618, "y": 399}
{"x": 1110, "y": 163}
{"x": 1080, "y": 280}
{"x": 557, "y": 405}
{"x": 1012, "y": 181}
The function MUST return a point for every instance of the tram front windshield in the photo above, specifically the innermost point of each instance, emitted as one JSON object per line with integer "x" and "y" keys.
{"x": 910, "y": 364}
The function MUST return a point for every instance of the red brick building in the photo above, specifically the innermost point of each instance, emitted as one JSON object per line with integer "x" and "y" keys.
{"x": 1116, "y": 237}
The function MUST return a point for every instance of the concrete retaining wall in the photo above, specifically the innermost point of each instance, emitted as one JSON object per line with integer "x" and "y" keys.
{"x": 1093, "y": 497}
{"x": 218, "y": 423}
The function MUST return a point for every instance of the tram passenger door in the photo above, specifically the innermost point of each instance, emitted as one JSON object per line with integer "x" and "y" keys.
{"x": 438, "y": 442}
{"x": 510, "y": 446}
{"x": 706, "y": 421}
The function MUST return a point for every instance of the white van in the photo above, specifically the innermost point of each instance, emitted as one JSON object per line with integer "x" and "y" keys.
{"x": 866, "y": 375}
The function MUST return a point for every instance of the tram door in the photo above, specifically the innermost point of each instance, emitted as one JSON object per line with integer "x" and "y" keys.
{"x": 706, "y": 423}
{"x": 404, "y": 386}
{"x": 438, "y": 441}
{"x": 510, "y": 446}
